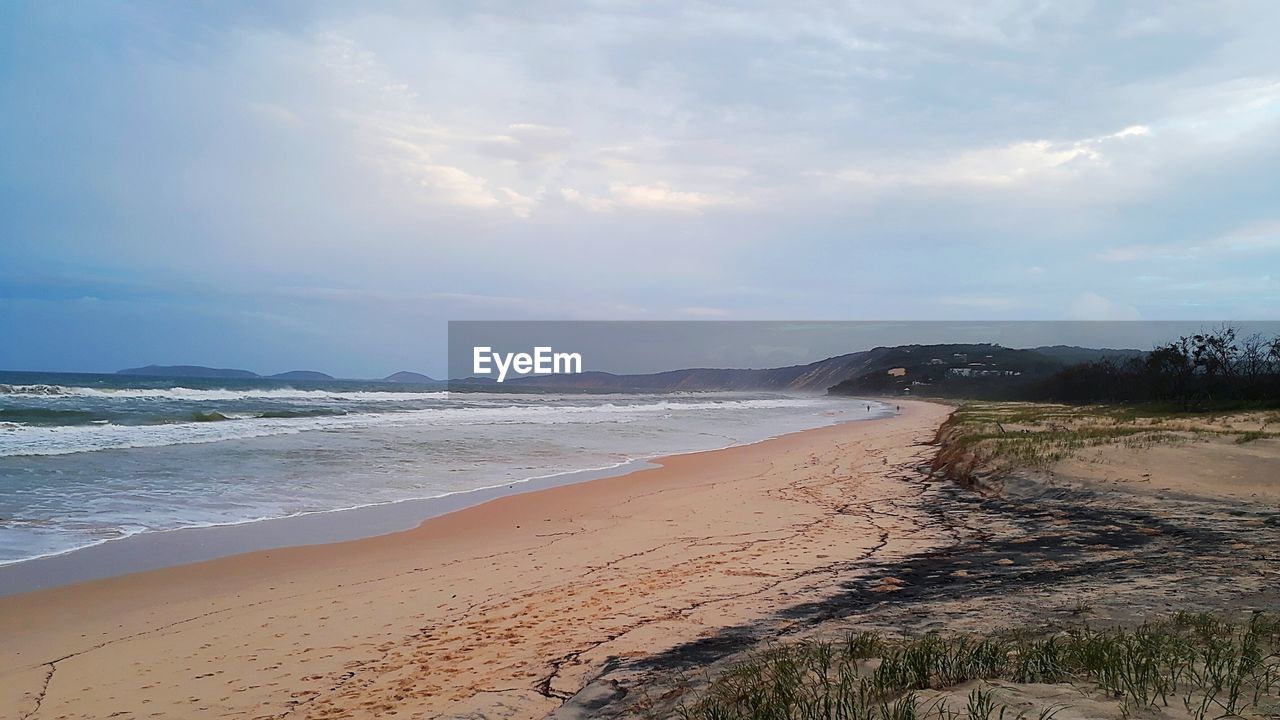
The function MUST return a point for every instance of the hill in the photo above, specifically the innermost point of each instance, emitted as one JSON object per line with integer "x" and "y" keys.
{"x": 865, "y": 372}
{"x": 405, "y": 376}
{"x": 954, "y": 371}
{"x": 302, "y": 375}
{"x": 813, "y": 377}
{"x": 1072, "y": 355}
{"x": 189, "y": 371}
{"x": 943, "y": 369}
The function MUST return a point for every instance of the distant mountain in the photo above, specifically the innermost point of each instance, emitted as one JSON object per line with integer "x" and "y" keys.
{"x": 1072, "y": 355}
{"x": 404, "y": 376}
{"x": 188, "y": 371}
{"x": 302, "y": 375}
{"x": 814, "y": 377}
{"x": 982, "y": 370}
{"x": 950, "y": 369}
{"x": 924, "y": 369}
{"x": 200, "y": 371}
{"x": 971, "y": 371}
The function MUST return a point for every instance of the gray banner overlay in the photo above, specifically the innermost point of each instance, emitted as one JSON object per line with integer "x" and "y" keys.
{"x": 525, "y": 353}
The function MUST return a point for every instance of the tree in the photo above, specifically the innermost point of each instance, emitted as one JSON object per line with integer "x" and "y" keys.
{"x": 1171, "y": 369}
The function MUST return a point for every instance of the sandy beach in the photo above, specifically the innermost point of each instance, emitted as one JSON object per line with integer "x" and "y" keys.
{"x": 502, "y": 610}
{"x": 639, "y": 361}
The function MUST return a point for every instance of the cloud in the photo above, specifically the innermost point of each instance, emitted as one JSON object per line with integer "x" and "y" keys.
{"x": 276, "y": 114}
{"x": 1254, "y": 238}
{"x": 521, "y": 205}
{"x": 814, "y": 161}
{"x": 660, "y": 196}
{"x": 454, "y": 185}
{"x": 979, "y": 302}
{"x": 1014, "y": 164}
{"x": 444, "y": 183}
{"x": 529, "y": 143}
{"x": 595, "y": 204}
{"x": 704, "y": 312}
{"x": 1092, "y": 306}
{"x": 656, "y": 196}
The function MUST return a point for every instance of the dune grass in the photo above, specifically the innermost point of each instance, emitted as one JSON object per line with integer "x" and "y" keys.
{"x": 1007, "y": 435}
{"x": 1200, "y": 666}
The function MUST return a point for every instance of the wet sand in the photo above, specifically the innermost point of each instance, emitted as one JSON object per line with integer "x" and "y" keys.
{"x": 507, "y": 609}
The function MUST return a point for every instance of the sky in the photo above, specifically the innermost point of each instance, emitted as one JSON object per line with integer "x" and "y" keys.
{"x": 324, "y": 185}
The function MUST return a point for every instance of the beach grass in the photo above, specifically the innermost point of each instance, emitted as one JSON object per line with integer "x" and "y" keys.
{"x": 1002, "y": 436}
{"x": 1192, "y": 665}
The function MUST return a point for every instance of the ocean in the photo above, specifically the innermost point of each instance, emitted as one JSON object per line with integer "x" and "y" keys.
{"x": 87, "y": 459}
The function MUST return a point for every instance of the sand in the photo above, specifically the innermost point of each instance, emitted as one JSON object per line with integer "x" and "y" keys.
{"x": 1135, "y": 529}
{"x": 1216, "y": 467}
{"x": 502, "y": 610}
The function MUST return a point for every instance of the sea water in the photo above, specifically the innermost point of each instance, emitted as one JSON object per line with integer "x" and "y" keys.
{"x": 85, "y": 459}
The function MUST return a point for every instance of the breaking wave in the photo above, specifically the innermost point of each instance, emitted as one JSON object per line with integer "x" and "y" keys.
{"x": 214, "y": 426}
{"x": 202, "y": 394}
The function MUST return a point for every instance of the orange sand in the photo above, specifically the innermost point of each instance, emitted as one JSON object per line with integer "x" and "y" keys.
{"x": 503, "y": 609}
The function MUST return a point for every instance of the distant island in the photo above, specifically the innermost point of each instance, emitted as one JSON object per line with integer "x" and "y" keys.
{"x": 202, "y": 372}
{"x": 405, "y": 376}
{"x": 189, "y": 371}
{"x": 302, "y": 375}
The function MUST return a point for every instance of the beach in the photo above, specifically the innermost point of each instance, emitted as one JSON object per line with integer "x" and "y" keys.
{"x": 506, "y": 609}
{"x": 639, "y": 361}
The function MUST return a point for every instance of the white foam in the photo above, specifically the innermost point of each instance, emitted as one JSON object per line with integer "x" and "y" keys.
{"x": 68, "y": 439}
{"x": 6, "y": 389}
{"x": 216, "y": 394}
{"x": 123, "y": 500}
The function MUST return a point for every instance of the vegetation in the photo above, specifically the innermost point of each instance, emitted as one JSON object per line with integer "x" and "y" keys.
{"x": 1199, "y": 665}
{"x": 983, "y": 371}
{"x": 1212, "y": 369}
{"x": 1000, "y": 436}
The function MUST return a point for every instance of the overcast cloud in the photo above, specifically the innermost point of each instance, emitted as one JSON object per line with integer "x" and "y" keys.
{"x": 324, "y": 184}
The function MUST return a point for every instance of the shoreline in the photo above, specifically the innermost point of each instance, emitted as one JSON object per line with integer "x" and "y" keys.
{"x": 158, "y": 549}
{"x": 510, "y": 601}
